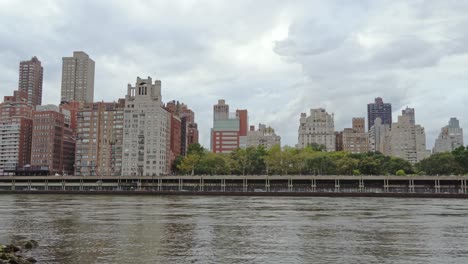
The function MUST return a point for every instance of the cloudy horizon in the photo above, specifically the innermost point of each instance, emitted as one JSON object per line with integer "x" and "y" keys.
{"x": 273, "y": 58}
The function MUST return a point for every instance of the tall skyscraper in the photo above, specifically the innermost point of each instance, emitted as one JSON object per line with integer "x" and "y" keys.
{"x": 450, "y": 137}
{"x": 379, "y": 109}
{"x": 408, "y": 140}
{"x": 229, "y": 130}
{"x": 146, "y": 139}
{"x": 30, "y": 80}
{"x": 78, "y": 78}
{"x": 317, "y": 128}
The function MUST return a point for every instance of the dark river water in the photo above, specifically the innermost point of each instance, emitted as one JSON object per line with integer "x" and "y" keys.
{"x": 197, "y": 229}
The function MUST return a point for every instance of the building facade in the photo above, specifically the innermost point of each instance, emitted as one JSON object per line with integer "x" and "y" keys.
{"x": 229, "y": 130}
{"x": 381, "y": 110}
{"x": 318, "y": 128}
{"x": 355, "y": 139}
{"x": 379, "y": 136}
{"x": 264, "y": 136}
{"x": 77, "y": 78}
{"x": 53, "y": 143}
{"x": 450, "y": 137}
{"x": 407, "y": 139}
{"x": 146, "y": 130}
{"x": 30, "y": 80}
{"x": 100, "y": 139}
{"x": 15, "y": 133}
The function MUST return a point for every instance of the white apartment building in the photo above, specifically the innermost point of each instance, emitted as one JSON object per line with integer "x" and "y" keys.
{"x": 264, "y": 136}
{"x": 408, "y": 140}
{"x": 450, "y": 137}
{"x": 146, "y": 130}
{"x": 317, "y": 128}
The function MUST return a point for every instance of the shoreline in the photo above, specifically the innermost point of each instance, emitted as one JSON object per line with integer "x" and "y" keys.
{"x": 253, "y": 194}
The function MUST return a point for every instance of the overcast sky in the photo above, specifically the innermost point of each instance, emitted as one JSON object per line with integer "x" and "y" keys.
{"x": 274, "y": 58}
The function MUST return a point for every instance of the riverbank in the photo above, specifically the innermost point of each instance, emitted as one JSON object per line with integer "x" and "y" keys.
{"x": 262, "y": 194}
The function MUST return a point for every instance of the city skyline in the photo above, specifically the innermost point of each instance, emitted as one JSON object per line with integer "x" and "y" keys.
{"x": 267, "y": 69}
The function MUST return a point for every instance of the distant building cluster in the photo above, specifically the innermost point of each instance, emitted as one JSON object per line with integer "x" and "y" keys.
{"x": 140, "y": 135}
{"x": 404, "y": 139}
{"x": 137, "y": 135}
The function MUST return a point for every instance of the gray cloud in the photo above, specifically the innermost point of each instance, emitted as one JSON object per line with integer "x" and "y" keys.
{"x": 275, "y": 59}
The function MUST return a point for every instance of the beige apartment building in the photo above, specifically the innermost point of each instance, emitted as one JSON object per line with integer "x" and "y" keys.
{"x": 264, "y": 136}
{"x": 408, "y": 140}
{"x": 317, "y": 128}
{"x": 355, "y": 139}
{"x": 450, "y": 137}
{"x": 99, "y": 139}
{"x": 77, "y": 78}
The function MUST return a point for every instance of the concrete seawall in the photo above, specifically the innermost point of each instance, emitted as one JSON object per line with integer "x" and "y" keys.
{"x": 259, "y": 194}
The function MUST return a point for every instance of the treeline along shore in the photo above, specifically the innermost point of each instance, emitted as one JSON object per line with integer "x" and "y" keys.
{"x": 313, "y": 160}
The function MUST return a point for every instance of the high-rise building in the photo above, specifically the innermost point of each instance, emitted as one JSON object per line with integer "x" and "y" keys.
{"x": 264, "y": 136}
{"x": 146, "y": 130}
{"x": 175, "y": 139}
{"x": 408, "y": 140}
{"x": 379, "y": 109}
{"x": 339, "y": 141}
{"x": 229, "y": 130}
{"x": 221, "y": 110}
{"x": 53, "y": 143}
{"x": 318, "y": 128}
{"x": 450, "y": 137}
{"x": 15, "y": 133}
{"x": 184, "y": 131}
{"x": 100, "y": 139}
{"x": 78, "y": 78}
{"x": 30, "y": 80}
{"x": 243, "y": 126}
{"x": 355, "y": 139}
{"x": 379, "y": 136}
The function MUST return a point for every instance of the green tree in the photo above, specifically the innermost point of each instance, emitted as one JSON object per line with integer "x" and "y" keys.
{"x": 440, "y": 164}
{"x": 400, "y": 173}
{"x": 240, "y": 161}
{"x": 196, "y": 149}
{"x": 370, "y": 165}
{"x": 189, "y": 163}
{"x": 393, "y": 164}
{"x": 346, "y": 165}
{"x": 461, "y": 157}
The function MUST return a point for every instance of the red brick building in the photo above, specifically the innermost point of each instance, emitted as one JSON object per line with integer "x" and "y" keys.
{"x": 53, "y": 144}
{"x": 15, "y": 133}
{"x": 229, "y": 130}
{"x": 30, "y": 80}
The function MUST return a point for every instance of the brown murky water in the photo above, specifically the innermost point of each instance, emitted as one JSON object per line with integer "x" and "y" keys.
{"x": 197, "y": 229}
